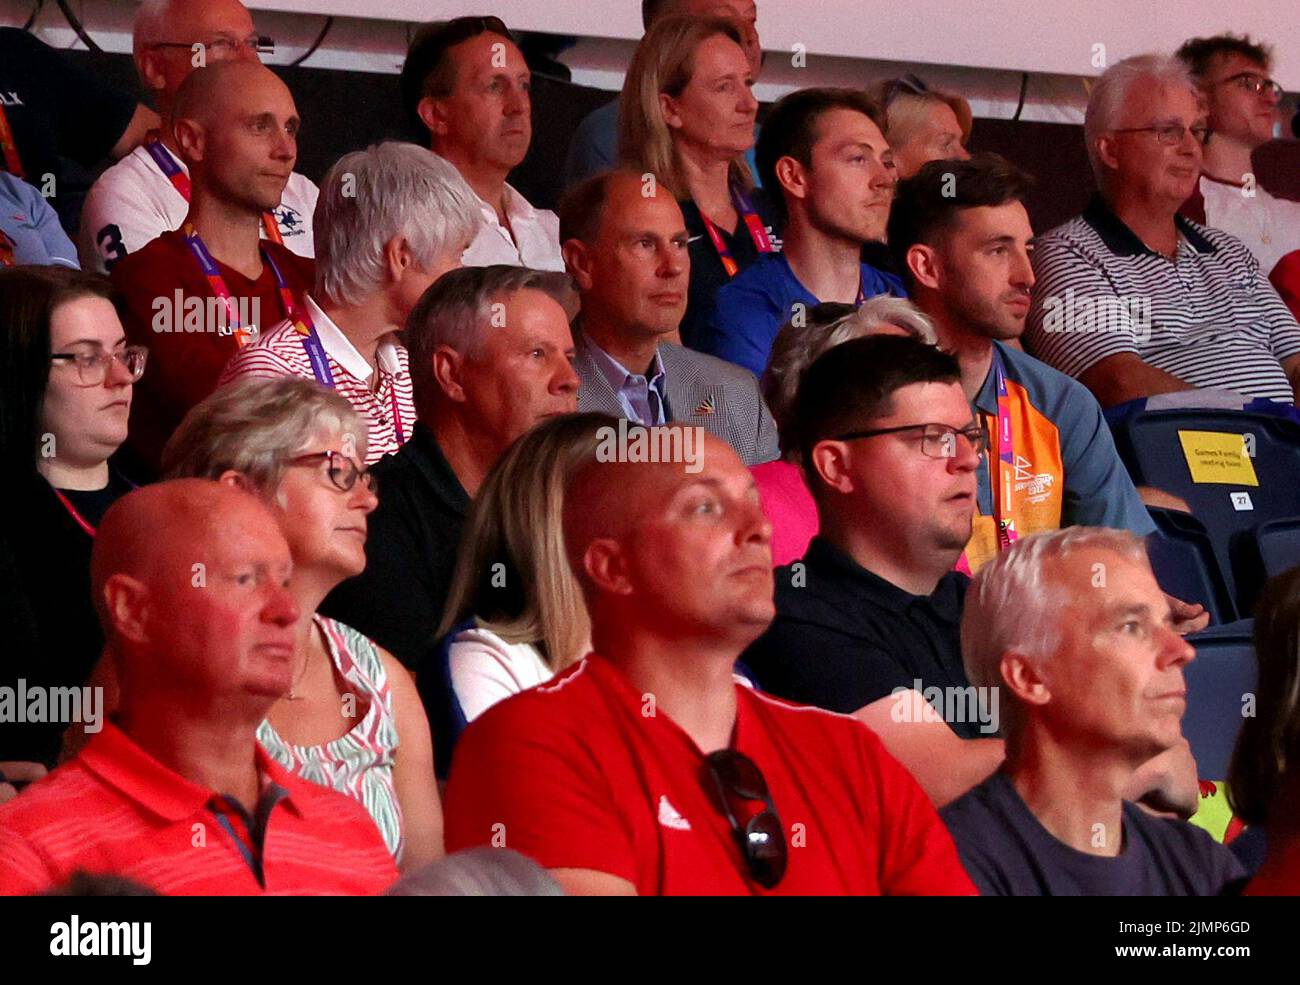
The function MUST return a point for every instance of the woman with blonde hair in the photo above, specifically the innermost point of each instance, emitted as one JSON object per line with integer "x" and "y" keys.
{"x": 687, "y": 116}
{"x": 352, "y": 719}
{"x": 922, "y": 124}
{"x": 515, "y": 616}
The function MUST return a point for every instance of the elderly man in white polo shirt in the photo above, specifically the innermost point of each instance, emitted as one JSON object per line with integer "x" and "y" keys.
{"x": 390, "y": 221}
{"x": 147, "y": 193}
{"x": 467, "y": 85}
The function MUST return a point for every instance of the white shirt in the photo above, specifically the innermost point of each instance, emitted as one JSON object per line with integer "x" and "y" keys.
{"x": 1269, "y": 226}
{"x": 133, "y": 203}
{"x": 486, "y": 669}
{"x": 536, "y": 241}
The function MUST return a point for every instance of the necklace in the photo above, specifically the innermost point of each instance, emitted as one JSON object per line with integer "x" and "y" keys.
{"x": 291, "y": 696}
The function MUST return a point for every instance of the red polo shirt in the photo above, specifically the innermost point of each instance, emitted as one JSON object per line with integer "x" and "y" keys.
{"x": 577, "y": 774}
{"x": 184, "y": 365}
{"x": 114, "y": 809}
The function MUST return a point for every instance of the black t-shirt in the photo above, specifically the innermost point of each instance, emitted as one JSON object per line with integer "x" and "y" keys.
{"x": 46, "y": 556}
{"x": 56, "y": 108}
{"x": 411, "y": 547}
{"x": 844, "y": 638}
{"x": 1009, "y": 853}
{"x": 707, "y": 272}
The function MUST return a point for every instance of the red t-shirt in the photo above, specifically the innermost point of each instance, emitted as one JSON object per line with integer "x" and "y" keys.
{"x": 578, "y": 773}
{"x": 1286, "y": 278}
{"x": 114, "y": 809}
{"x": 183, "y": 365}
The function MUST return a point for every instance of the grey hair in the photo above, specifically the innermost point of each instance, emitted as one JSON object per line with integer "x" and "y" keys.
{"x": 1014, "y": 603}
{"x": 458, "y": 309}
{"x": 1111, "y": 92}
{"x": 478, "y": 872}
{"x": 798, "y": 346}
{"x": 370, "y": 196}
{"x": 149, "y": 26}
{"x": 255, "y": 427}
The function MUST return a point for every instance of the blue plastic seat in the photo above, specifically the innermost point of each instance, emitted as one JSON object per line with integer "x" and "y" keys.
{"x": 1186, "y": 565}
{"x": 1219, "y": 682}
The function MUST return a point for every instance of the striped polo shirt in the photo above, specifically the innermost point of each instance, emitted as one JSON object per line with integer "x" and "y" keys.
{"x": 115, "y": 810}
{"x": 1208, "y": 316}
{"x": 382, "y": 395}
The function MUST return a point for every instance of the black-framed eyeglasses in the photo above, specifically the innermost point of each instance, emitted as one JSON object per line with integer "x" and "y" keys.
{"x": 257, "y": 44}
{"x": 343, "y": 472}
{"x": 740, "y": 785}
{"x": 908, "y": 83}
{"x": 92, "y": 367}
{"x": 1171, "y": 134}
{"x": 1253, "y": 82}
{"x": 937, "y": 440}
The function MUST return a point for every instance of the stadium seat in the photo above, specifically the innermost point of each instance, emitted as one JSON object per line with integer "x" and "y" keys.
{"x": 433, "y": 681}
{"x": 1261, "y": 554}
{"x": 1156, "y": 447}
{"x": 1218, "y": 681}
{"x": 1186, "y": 566}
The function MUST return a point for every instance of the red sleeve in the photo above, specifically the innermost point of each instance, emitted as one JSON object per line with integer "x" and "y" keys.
{"x": 516, "y": 783}
{"x": 1286, "y": 278}
{"x": 917, "y": 854}
{"x": 22, "y": 870}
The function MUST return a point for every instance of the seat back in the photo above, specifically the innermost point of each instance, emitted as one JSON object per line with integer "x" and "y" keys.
{"x": 1219, "y": 682}
{"x": 1186, "y": 566}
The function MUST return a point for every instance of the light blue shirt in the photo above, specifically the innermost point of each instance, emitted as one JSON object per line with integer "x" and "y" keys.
{"x": 641, "y": 397}
{"x": 32, "y": 226}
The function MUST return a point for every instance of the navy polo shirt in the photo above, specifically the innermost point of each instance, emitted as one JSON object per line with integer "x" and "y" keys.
{"x": 844, "y": 637}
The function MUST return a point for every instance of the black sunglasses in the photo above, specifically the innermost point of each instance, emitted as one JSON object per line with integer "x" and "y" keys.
{"x": 761, "y": 838}
{"x": 908, "y": 83}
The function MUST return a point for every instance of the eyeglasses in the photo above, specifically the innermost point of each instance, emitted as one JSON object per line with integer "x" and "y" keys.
{"x": 92, "y": 367}
{"x": 937, "y": 440}
{"x": 761, "y": 838}
{"x": 256, "y": 44}
{"x": 908, "y": 83}
{"x": 343, "y": 472}
{"x": 1171, "y": 134}
{"x": 1254, "y": 83}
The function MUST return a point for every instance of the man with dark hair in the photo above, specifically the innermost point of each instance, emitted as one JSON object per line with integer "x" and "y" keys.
{"x": 867, "y": 622}
{"x": 594, "y": 146}
{"x": 490, "y": 355}
{"x": 625, "y": 244}
{"x": 646, "y": 768}
{"x": 1243, "y": 104}
{"x": 824, "y": 151}
{"x": 962, "y": 239}
{"x": 466, "y": 85}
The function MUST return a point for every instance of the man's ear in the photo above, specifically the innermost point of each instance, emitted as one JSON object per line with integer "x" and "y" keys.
{"x": 126, "y": 605}
{"x": 793, "y": 177}
{"x": 831, "y": 460}
{"x": 604, "y": 564}
{"x": 671, "y": 114}
{"x": 236, "y": 480}
{"x": 1106, "y": 151}
{"x": 923, "y": 262}
{"x": 1025, "y": 680}
{"x": 190, "y": 138}
{"x": 448, "y": 371}
{"x": 150, "y": 67}
{"x": 577, "y": 260}
{"x": 432, "y": 116}
{"x": 397, "y": 258}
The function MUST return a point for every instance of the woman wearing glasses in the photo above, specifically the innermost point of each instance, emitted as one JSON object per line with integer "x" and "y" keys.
{"x": 687, "y": 116}
{"x": 68, "y": 375}
{"x": 352, "y": 719}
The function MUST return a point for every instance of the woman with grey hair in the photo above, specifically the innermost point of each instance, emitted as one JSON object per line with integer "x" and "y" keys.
{"x": 786, "y": 500}
{"x": 352, "y": 719}
{"x": 390, "y": 221}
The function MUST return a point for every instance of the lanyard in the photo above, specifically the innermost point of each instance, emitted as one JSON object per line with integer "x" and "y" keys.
{"x": 73, "y": 512}
{"x": 218, "y": 284}
{"x": 181, "y": 181}
{"x": 13, "y": 162}
{"x": 757, "y": 232}
{"x": 1003, "y": 473}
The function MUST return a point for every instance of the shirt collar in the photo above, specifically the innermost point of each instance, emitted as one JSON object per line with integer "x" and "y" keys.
{"x": 117, "y": 760}
{"x": 1123, "y": 242}
{"x": 825, "y": 558}
{"x": 616, "y": 373}
{"x": 342, "y": 351}
{"x": 424, "y": 452}
{"x": 986, "y": 400}
{"x": 518, "y": 208}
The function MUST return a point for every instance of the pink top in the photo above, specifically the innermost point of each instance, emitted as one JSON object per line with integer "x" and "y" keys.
{"x": 789, "y": 507}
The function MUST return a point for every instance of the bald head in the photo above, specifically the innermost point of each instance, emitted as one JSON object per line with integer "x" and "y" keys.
{"x": 221, "y": 91}
{"x": 172, "y": 38}
{"x": 665, "y": 531}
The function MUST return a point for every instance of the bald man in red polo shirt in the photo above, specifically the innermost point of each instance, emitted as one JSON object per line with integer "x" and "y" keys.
{"x": 646, "y": 768}
{"x": 236, "y": 126}
{"x": 175, "y": 793}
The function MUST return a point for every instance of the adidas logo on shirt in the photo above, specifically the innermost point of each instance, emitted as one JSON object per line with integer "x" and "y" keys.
{"x": 670, "y": 818}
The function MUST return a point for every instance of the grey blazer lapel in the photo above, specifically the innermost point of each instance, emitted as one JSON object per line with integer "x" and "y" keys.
{"x": 691, "y": 400}
{"x": 594, "y": 391}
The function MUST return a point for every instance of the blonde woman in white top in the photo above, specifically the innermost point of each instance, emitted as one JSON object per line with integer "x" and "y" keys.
{"x": 513, "y": 577}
